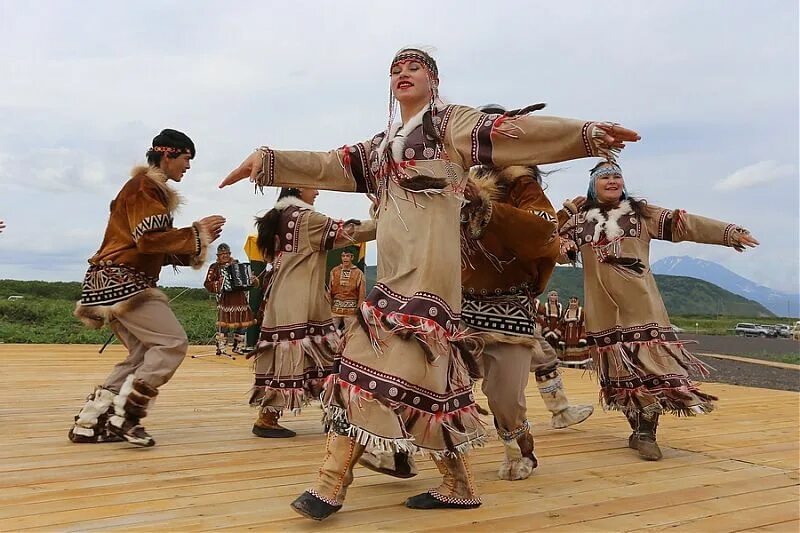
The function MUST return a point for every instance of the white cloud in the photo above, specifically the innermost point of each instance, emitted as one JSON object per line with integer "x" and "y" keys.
{"x": 755, "y": 174}
{"x": 79, "y": 108}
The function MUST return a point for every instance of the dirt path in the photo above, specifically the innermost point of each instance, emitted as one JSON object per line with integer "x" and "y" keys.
{"x": 751, "y": 375}
{"x": 755, "y": 347}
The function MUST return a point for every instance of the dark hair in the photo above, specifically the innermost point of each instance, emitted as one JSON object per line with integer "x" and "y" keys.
{"x": 427, "y": 58}
{"x": 267, "y": 225}
{"x": 174, "y": 139}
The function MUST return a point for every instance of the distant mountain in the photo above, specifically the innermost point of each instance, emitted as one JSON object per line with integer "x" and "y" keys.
{"x": 682, "y": 295}
{"x": 776, "y": 301}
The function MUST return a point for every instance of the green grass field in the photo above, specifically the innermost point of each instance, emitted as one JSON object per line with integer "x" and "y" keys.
{"x": 44, "y": 315}
{"x": 711, "y": 325}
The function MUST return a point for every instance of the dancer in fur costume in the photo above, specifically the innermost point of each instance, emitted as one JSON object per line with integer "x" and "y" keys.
{"x": 120, "y": 290}
{"x": 643, "y": 368}
{"x": 234, "y": 315}
{"x": 298, "y": 341}
{"x": 574, "y": 346}
{"x": 506, "y": 263}
{"x": 403, "y": 384}
{"x": 550, "y": 314}
{"x": 346, "y": 290}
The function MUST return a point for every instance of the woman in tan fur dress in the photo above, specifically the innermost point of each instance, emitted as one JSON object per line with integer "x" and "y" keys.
{"x": 403, "y": 384}
{"x": 643, "y": 368}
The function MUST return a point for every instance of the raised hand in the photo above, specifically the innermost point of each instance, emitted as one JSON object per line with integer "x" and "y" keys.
{"x": 212, "y": 225}
{"x": 578, "y": 202}
{"x": 615, "y": 135}
{"x": 248, "y": 169}
{"x": 746, "y": 240}
{"x": 568, "y": 247}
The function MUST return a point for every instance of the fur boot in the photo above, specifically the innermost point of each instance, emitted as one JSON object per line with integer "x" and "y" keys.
{"x": 130, "y": 406}
{"x": 457, "y": 490}
{"x": 239, "y": 344}
{"x": 646, "y": 437}
{"x": 91, "y": 423}
{"x": 335, "y": 476}
{"x": 555, "y": 399}
{"x": 633, "y": 421}
{"x": 391, "y": 463}
{"x": 267, "y": 426}
{"x": 222, "y": 343}
{"x": 520, "y": 459}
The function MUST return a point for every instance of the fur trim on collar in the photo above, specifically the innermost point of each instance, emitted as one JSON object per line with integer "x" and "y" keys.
{"x": 283, "y": 203}
{"x": 607, "y": 223}
{"x": 174, "y": 199}
{"x": 396, "y": 136}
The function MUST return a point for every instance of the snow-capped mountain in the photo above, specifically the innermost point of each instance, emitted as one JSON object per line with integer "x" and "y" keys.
{"x": 780, "y": 303}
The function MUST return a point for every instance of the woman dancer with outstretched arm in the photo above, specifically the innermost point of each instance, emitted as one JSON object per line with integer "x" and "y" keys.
{"x": 403, "y": 383}
{"x": 643, "y": 368}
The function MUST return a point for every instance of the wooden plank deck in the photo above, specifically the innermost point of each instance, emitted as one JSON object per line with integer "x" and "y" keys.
{"x": 734, "y": 470}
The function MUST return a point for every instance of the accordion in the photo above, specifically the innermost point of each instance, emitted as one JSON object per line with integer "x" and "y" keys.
{"x": 236, "y": 277}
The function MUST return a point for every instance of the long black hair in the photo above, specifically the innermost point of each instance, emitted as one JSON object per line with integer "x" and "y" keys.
{"x": 267, "y": 226}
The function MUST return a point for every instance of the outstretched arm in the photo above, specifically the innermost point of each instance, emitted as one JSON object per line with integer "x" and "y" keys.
{"x": 677, "y": 225}
{"x": 344, "y": 169}
{"x": 502, "y": 140}
{"x": 326, "y": 233}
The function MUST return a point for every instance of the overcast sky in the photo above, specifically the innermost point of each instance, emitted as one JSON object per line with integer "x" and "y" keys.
{"x": 712, "y": 87}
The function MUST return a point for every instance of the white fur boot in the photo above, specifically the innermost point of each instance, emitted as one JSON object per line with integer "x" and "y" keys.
{"x": 555, "y": 399}
{"x": 520, "y": 460}
{"x": 91, "y": 422}
{"x": 389, "y": 462}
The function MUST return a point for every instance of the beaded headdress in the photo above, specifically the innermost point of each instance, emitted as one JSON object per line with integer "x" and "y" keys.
{"x": 604, "y": 169}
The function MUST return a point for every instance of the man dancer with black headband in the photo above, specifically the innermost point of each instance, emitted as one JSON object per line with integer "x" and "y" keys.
{"x": 120, "y": 290}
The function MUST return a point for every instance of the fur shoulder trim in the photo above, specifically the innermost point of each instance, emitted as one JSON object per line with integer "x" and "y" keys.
{"x": 397, "y": 133}
{"x": 97, "y": 316}
{"x": 174, "y": 199}
{"x": 283, "y": 203}
{"x": 497, "y": 182}
{"x": 399, "y": 140}
{"x": 608, "y": 223}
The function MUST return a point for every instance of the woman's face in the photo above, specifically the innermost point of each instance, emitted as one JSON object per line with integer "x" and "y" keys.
{"x": 410, "y": 82}
{"x": 309, "y": 195}
{"x": 553, "y": 297}
{"x": 609, "y": 188}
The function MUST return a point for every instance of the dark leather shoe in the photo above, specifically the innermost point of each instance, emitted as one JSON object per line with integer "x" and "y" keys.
{"x": 427, "y": 500}
{"x": 312, "y": 507}
{"x": 279, "y": 432}
{"x": 648, "y": 449}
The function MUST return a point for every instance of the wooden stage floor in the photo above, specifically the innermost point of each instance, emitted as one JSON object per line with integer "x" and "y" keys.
{"x": 733, "y": 470}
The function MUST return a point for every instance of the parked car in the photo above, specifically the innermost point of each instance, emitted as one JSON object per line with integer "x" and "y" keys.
{"x": 772, "y": 330}
{"x": 796, "y": 331}
{"x": 784, "y": 330}
{"x": 745, "y": 329}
